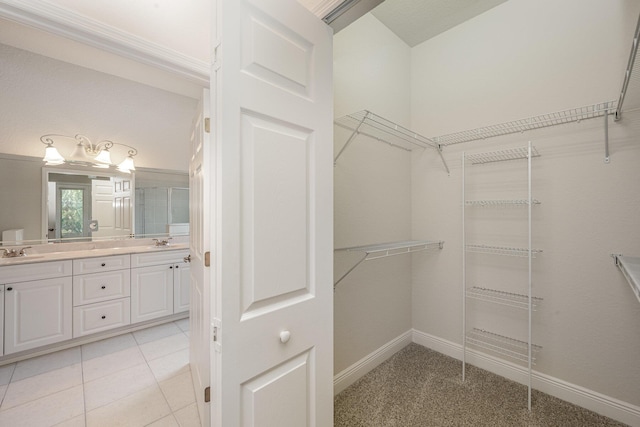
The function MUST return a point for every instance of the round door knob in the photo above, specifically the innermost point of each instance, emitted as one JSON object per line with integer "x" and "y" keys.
{"x": 285, "y": 336}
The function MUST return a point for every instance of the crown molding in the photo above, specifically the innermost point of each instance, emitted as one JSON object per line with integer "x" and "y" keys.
{"x": 323, "y": 8}
{"x": 43, "y": 15}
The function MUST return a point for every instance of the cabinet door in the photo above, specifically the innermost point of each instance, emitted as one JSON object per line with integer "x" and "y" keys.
{"x": 151, "y": 292}
{"x": 37, "y": 313}
{"x": 181, "y": 285}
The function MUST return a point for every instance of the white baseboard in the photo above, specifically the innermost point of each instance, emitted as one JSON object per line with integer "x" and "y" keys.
{"x": 359, "y": 369}
{"x": 589, "y": 399}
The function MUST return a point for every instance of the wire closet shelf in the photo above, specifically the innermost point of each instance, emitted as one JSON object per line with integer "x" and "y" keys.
{"x": 630, "y": 267}
{"x": 571, "y": 115}
{"x": 495, "y": 296}
{"x": 383, "y": 130}
{"x": 500, "y": 344}
{"x": 383, "y": 250}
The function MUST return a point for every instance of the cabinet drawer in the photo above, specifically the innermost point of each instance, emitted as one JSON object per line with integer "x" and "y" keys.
{"x": 35, "y": 271}
{"x": 91, "y": 288}
{"x": 99, "y": 264}
{"x": 101, "y": 316}
{"x": 158, "y": 257}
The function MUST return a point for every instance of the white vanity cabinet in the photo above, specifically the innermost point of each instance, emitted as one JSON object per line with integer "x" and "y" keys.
{"x": 37, "y": 304}
{"x": 101, "y": 295}
{"x": 159, "y": 284}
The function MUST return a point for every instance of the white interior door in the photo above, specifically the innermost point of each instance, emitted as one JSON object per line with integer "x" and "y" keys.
{"x": 200, "y": 207}
{"x": 123, "y": 206}
{"x": 274, "y": 217}
{"x": 103, "y": 207}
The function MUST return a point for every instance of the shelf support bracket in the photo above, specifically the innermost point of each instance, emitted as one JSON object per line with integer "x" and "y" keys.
{"x": 350, "y": 270}
{"x": 606, "y": 135}
{"x": 355, "y": 133}
{"x": 439, "y": 148}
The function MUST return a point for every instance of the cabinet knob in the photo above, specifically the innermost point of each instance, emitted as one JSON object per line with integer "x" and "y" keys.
{"x": 171, "y": 266}
{"x": 103, "y": 264}
{"x": 104, "y": 317}
{"x": 177, "y": 266}
{"x": 103, "y": 287}
{"x": 9, "y": 288}
{"x": 285, "y": 336}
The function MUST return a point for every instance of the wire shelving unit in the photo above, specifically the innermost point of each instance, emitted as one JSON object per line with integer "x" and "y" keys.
{"x": 383, "y": 250}
{"x": 522, "y": 351}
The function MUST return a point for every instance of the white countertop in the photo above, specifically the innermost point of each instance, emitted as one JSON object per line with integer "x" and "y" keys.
{"x": 53, "y": 252}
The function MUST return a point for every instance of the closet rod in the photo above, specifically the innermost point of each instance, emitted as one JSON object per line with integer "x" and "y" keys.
{"x": 629, "y": 70}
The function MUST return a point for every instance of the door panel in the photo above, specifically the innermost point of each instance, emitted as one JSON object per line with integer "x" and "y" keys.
{"x": 261, "y": 396}
{"x": 201, "y": 178}
{"x": 275, "y": 188}
{"x": 274, "y": 169}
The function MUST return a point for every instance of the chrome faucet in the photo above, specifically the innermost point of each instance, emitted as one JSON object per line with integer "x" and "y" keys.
{"x": 164, "y": 242}
{"x": 12, "y": 253}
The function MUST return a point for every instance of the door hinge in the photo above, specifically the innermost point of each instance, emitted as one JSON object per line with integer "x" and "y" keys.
{"x": 207, "y": 394}
{"x": 207, "y": 125}
{"x": 207, "y": 259}
{"x": 215, "y": 334}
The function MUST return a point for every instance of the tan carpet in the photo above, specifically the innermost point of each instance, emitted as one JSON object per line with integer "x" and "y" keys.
{"x": 420, "y": 387}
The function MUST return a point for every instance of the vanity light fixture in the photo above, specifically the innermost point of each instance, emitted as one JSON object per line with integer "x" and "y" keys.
{"x": 86, "y": 153}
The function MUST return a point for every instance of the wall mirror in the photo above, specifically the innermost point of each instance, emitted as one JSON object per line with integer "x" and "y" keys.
{"x": 60, "y": 204}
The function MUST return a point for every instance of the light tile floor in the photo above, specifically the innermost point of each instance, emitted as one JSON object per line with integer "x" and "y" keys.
{"x": 137, "y": 379}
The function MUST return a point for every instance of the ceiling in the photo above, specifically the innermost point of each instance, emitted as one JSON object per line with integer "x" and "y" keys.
{"x": 165, "y": 43}
{"x": 416, "y": 21}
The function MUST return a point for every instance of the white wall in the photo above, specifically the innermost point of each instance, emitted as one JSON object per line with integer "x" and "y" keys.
{"x": 42, "y": 95}
{"x": 521, "y": 59}
{"x": 372, "y": 192}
